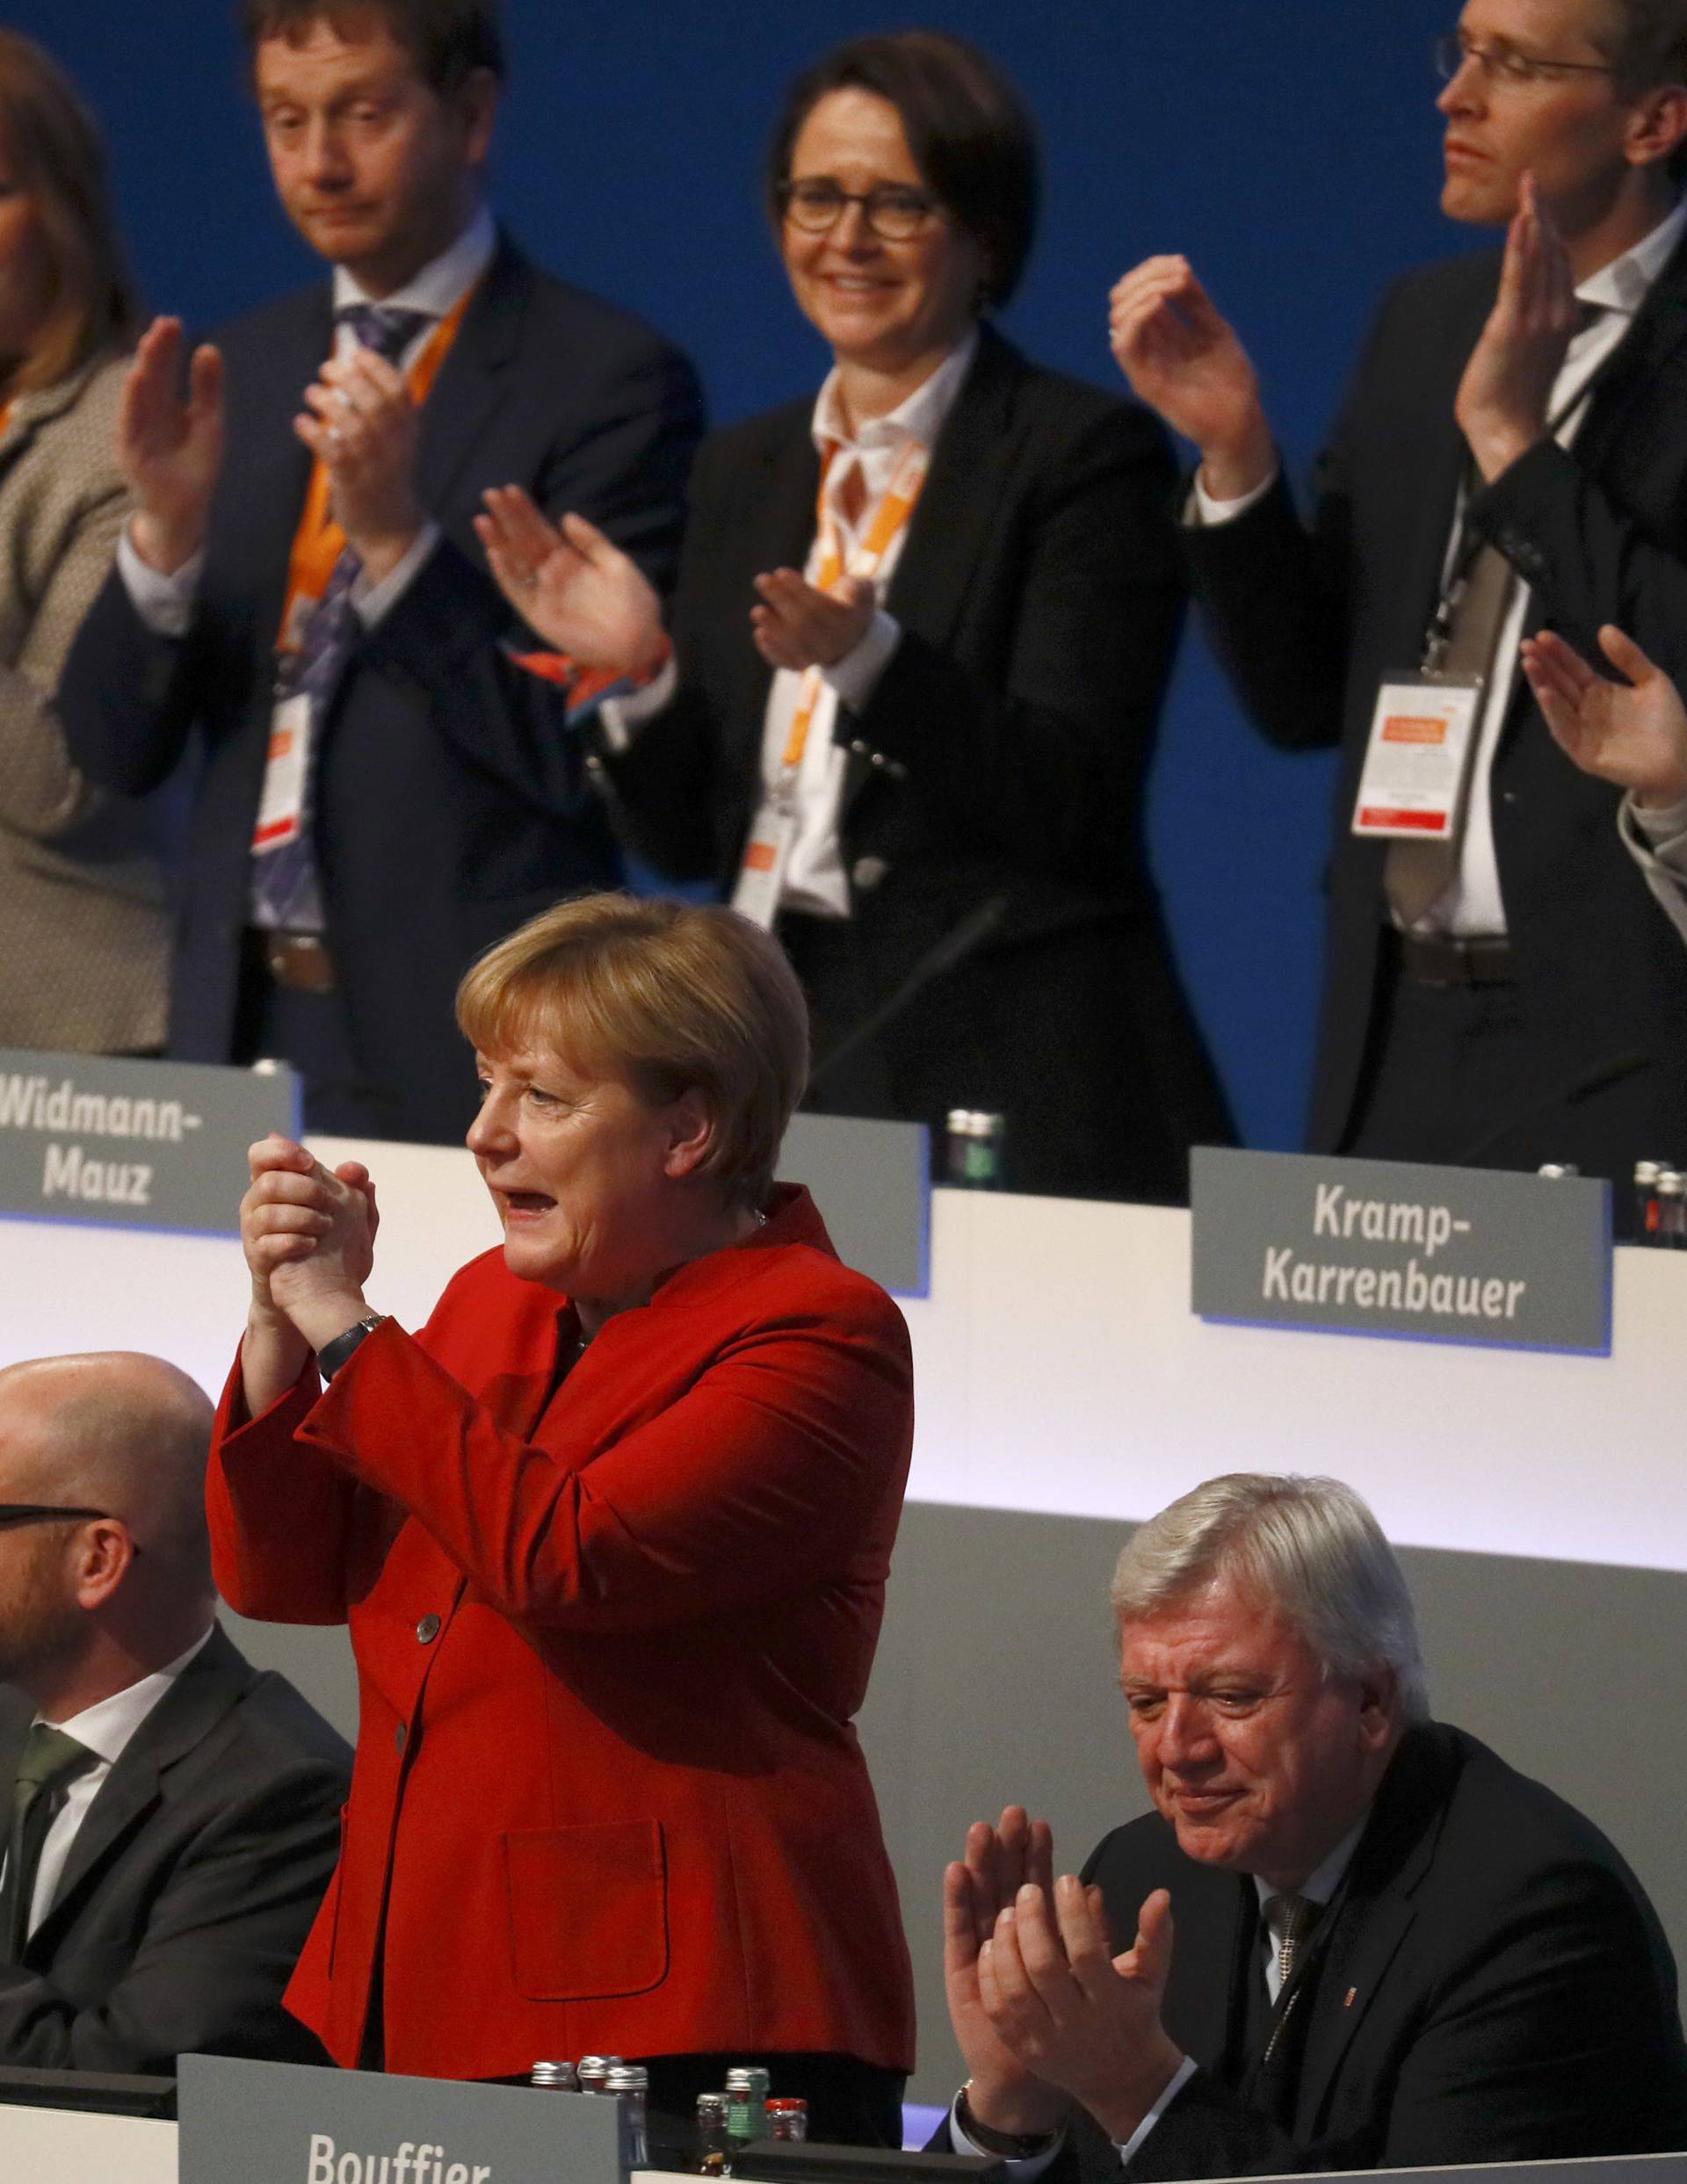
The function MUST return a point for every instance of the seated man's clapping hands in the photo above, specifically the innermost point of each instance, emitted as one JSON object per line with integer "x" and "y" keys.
{"x": 1045, "y": 2013}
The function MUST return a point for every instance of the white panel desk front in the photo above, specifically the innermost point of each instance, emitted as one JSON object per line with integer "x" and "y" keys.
{"x": 1060, "y": 1369}
{"x": 60, "y": 2146}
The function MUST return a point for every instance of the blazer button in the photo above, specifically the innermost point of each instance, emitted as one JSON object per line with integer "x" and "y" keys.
{"x": 401, "y": 1737}
{"x": 428, "y": 1629}
{"x": 867, "y": 872}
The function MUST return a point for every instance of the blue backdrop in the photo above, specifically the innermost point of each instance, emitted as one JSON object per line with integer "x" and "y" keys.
{"x": 1289, "y": 147}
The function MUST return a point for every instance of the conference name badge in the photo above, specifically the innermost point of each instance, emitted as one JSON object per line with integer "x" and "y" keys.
{"x": 1421, "y": 736}
{"x": 280, "y": 809}
{"x": 767, "y": 858}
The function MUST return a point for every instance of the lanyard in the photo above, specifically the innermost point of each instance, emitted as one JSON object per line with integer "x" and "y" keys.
{"x": 889, "y": 520}
{"x": 319, "y": 541}
{"x": 1469, "y": 542}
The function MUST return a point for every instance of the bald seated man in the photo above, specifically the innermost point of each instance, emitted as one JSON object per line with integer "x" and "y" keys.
{"x": 171, "y": 1814}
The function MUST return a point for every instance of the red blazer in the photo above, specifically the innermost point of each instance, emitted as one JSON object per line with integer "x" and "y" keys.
{"x": 609, "y": 1647}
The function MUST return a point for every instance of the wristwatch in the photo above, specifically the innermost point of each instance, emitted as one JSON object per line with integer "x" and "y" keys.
{"x": 1006, "y": 2145}
{"x": 333, "y": 1355}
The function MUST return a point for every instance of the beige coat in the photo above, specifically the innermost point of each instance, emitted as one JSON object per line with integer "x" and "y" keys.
{"x": 82, "y": 927}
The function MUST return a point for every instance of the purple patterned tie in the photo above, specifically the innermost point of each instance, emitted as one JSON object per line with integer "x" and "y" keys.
{"x": 286, "y": 890}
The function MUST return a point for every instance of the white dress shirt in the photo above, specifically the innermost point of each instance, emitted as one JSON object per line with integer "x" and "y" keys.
{"x": 1319, "y": 1889}
{"x": 1657, "y": 841}
{"x": 105, "y": 1729}
{"x": 165, "y": 603}
{"x": 814, "y": 880}
{"x": 1473, "y": 904}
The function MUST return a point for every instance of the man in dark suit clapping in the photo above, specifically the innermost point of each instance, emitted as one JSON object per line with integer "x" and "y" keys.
{"x": 1361, "y": 1940}
{"x": 301, "y": 580}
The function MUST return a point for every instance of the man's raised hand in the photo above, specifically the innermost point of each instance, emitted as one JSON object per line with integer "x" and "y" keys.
{"x": 169, "y": 448}
{"x": 1184, "y": 360}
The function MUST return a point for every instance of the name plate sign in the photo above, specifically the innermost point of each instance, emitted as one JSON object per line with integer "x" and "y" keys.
{"x": 134, "y": 1144}
{"x": 1451, "y": 1255}
{"x": 278, "y": 2124}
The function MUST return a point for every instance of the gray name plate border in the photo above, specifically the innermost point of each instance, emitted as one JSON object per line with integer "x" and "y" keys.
{"x": 122, "y": 1143}
{"x": 872, "y": 1183}
{"x": 1407, "y": 1252}
{"x": 285, "y": 2123}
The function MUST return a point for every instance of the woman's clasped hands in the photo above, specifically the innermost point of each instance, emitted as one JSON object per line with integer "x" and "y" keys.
{"x": 308, "y": 1235}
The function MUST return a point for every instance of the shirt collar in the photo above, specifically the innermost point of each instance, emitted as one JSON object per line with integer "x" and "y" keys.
{"x": 441, "y": 284}
{"x": 918, "y": 416}
{"x": 107, "y": 1727}
{"x": 1321, "y": 1884}
{"x": 1625, "y": 283}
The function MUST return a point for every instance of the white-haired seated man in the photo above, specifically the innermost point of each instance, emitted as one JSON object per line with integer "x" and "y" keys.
{"x": 1360, "y": 1939}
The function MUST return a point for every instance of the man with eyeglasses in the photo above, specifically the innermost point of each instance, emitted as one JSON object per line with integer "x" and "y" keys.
{"x": 300, "y": 616}
{"x": 1499, "y": 986}
{"x": 170, "y": 1816}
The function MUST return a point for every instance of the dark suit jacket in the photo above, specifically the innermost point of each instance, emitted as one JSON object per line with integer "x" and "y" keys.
{"x": 1001, "y": 756}
{"x": 192, "y": 1883}
{"x": 1309, "y": 622}
{"x": 450, "y": 806}
{"x": 1491, "y": 1984}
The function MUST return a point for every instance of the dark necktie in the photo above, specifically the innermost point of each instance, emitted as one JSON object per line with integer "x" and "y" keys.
{"x": 1416, "y": 874}
{"x": 1289, "y": 1920}
{"x": 50, "y": 1762}
{"x": 287, "y": 887}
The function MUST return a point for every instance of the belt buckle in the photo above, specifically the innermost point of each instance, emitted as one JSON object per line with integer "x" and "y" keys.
{"x": 299, "y": 962}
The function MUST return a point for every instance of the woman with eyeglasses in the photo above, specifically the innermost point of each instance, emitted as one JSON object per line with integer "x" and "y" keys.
{"x": 81, "y": 891}
{"x": 923, "y": 630}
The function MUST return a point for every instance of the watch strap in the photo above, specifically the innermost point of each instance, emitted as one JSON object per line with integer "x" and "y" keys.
{"x": 1006, "y": 2145}
{"x": 333, "y": 1355}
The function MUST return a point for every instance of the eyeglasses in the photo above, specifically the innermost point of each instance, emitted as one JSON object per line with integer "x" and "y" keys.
{"x": 816, "y": 204}
{"x": 1504, "y": 64}
{"x": 45, "y": 1513}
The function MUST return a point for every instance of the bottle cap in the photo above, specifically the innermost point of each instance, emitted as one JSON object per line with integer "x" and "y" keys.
{"x": 561, "y": 2076}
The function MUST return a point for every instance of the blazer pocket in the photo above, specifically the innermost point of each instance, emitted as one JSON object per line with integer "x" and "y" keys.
{"x": 587, "y": 1910}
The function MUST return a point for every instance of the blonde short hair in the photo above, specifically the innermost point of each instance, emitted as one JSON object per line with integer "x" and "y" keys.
{"x": 671, "y": 997}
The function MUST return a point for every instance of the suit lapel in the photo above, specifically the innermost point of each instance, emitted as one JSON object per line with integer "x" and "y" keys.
{"x": 269, "y": 466}
{"x": 472, "y": 380}
{"x": 16, "y": 1714}
{"x": 1377, "y": 1910}
{"x": 1447, "y": 466}
{"x": 1215, "y": 1919}
{"x": 777, "y": 527}
{"x": 1659, "y": 331}
{"x": 962, "y": 496}
{"x": 210, "y": 1684}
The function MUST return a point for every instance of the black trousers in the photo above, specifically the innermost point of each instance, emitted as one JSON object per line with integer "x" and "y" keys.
{"x": 310, "y": 1033}
{"x": 1469, "y": 1075}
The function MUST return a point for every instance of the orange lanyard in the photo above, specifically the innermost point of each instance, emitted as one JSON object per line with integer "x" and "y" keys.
{"x": 890, "y": 519}
{"x": 319, "y": 541}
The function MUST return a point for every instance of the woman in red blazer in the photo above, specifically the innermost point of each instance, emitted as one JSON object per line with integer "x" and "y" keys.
{"x": 612, "y": 1535}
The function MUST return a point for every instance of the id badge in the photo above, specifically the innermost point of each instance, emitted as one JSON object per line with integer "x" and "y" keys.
{"x": 1422, "y": 737}
{"x": 281, "y": 808}
{"x": 767, "y": 858}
